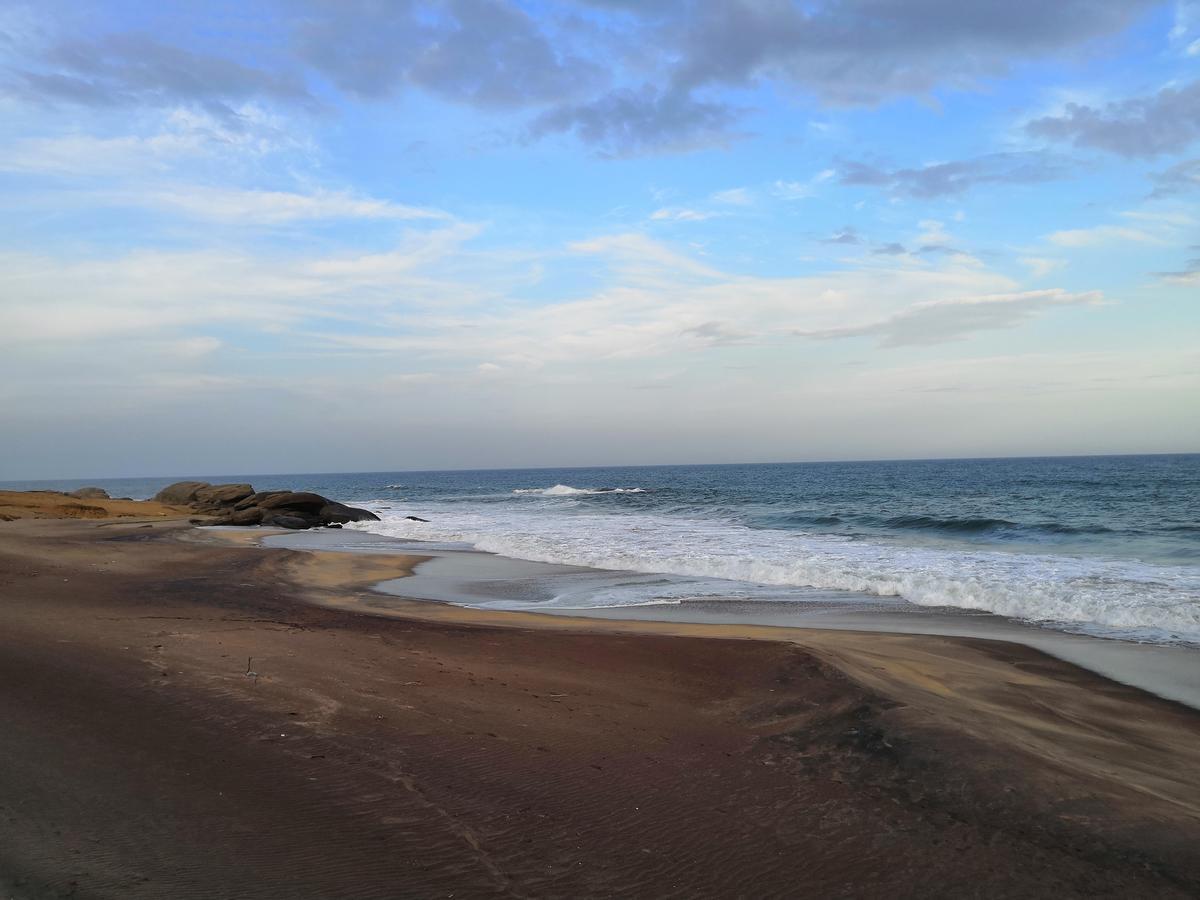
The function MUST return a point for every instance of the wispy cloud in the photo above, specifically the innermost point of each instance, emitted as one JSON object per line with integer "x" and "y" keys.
{"x": 1189, "y": 274}
{"x": 1100, "y": 235}
{"x": 940, "y": 321}
{"x": 1167, "y": 121}
{"x": 637, "y": 122}
{"x": 734, "y": 197}
{"x": 134, "y": 69}
{"x": 275, "y": 207}
{"x": 1041, "y": 266}
{"x": 1181, "y": 178}
{"x": 680, "y": 214}
{"x": 946, "y": 179}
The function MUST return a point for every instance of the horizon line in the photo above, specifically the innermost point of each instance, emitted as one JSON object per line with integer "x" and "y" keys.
{"x": 800, "y": 462}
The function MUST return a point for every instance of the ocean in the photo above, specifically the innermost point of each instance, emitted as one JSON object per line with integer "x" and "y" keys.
{"x": 1106, "y": 545}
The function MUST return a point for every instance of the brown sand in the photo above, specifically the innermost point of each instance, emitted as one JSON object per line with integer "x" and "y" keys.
{"x": 447, "y": 752}
{"x": 53, "y": 505}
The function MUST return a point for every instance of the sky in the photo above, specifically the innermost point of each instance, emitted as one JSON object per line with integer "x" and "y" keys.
{"x": 347, "y": 235}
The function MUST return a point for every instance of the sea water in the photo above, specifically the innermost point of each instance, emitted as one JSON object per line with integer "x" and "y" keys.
{"x": 1102, "y": 545}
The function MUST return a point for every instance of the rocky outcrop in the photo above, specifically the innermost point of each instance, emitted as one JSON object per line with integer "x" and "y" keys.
{"x": 221, "y": 495}
{"x": 181, "y": 493}
{"x": 89, "y": 493}
{"x": 240, "y": 504}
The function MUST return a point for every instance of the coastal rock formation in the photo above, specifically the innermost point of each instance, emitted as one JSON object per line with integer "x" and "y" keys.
{"x": 181, "y": 493}
{"x": 223, "y": 494}
{"x": 240, "y": 504}
{"x": 89, "y": 493}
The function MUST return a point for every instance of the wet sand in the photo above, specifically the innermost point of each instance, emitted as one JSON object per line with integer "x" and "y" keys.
{"x": 184, "y": 715}
{"x": 487, "y": 581}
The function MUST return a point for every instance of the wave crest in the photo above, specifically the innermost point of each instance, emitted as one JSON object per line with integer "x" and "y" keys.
{"x": 1061, "y": 590}
{"x": 967, "y": 525}
{"x": 565, "y": 490}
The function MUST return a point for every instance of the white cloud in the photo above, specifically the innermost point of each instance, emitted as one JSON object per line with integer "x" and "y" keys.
{"x": 1041, "y": 266}
{"x": 275, "y": 207}
{"x": 181, "y": 136}
{"x": 792, "y": 190}
{"x": 193, "y": 347}
{"x": 933, "y": 232}
{"x": 640, "y": 256}
{"x": 434, "y": 298}
{"x": 734, "y": 197}
{"x": 1100, "y": 235}
{"x": 680, "y": 214}
{"x": 148, "y": 293}
{"x": 800, "y": 190}
{"x": 81, "y": 154}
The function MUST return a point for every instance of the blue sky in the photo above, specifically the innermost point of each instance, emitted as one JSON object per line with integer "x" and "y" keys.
{"x": 315, "y": 236}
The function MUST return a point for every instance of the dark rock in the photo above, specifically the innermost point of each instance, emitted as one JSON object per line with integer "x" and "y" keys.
{"x": 251, "y": 516}
{"x": 89, "y": 493}
{"x": 280, "y": 521}
{"x": 333, "y": 511}
{"x": 416, "y": 519}
{"x": 180, "y": 493}
{"x": 223, "y": 494}
{"x": 239, "y": 504}
{"x": 256, "y": 499}
{"x": 295, "y": 500}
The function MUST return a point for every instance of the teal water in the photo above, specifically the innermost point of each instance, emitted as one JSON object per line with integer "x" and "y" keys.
{"x": 1105, "y": 545}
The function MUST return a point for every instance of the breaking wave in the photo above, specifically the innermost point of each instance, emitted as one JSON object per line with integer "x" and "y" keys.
{"x": 1155, "y": 601}
{"x": 565, "y": 490}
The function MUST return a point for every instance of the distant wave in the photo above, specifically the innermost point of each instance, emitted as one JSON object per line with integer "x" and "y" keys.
{"x": 951, "y": 524}
{"x": 977, "y": 525}
{"x": 964, "y": 525}
{"x": 565, "y": 490}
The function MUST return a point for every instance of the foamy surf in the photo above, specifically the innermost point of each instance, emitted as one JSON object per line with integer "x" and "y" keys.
{"x": 1116, "y": 597}
{"x": 565, "y": 490}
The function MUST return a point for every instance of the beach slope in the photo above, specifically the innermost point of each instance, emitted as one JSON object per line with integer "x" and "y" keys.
{"x": 182, "y": 716}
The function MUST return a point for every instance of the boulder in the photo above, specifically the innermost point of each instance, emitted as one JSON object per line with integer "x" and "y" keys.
{"x": 89, "y": 493}
{"x": 239, "y": 504}
{"x": 180, "y": 493}
{"x": 287, "y": 522}
{"x": 223, "y": 494}
{"x": 257, "y": 498}
{"x": 251, "y": 516}
{"x": 415, "y": 519}
{"x": 341, "y": 513}
{"x": 295, "y": 500}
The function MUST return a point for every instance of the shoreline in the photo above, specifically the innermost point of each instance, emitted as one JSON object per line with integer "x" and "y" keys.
{"x": 464, "y": 576}
{"x": 286, "y": 743}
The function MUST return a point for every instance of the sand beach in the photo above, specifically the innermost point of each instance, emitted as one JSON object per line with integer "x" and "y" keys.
{"x": 185, "y": 713}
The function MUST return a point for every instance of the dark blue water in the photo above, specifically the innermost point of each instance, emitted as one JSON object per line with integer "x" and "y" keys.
{"x": 1111, "y": 543}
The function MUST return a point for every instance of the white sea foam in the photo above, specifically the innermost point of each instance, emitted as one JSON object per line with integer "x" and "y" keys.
{"x": 565, "y": 490}
{"x": 1123, "y": 596}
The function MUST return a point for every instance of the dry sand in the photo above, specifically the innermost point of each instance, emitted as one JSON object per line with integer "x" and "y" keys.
{"x": 441, "y": 751}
